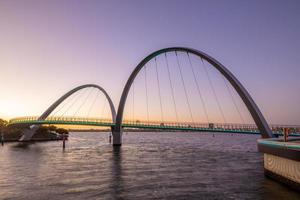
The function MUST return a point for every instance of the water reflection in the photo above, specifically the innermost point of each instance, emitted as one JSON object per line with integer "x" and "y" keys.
{"x": 148, "y": 166}
{"x": 23, "y": 145}
{"x": 116, "y": 173}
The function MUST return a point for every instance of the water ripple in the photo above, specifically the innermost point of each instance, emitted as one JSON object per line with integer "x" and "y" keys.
{"x": 148, "y": 166}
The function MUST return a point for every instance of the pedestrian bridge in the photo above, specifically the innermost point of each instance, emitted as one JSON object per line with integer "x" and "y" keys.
{"x": 151, "y": 125}
{"x": 177, "y": 85}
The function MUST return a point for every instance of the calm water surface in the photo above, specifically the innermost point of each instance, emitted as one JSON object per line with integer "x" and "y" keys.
{"x": 147, "y": 166}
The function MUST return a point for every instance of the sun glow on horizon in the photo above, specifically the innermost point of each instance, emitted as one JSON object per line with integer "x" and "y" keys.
{"x": 12, "y": 108}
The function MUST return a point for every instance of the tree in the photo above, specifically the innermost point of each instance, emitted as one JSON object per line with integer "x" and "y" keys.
{"x": 52, "y": 128}
{"x": 3, "y": 123}
{"x": 62, "y": 131}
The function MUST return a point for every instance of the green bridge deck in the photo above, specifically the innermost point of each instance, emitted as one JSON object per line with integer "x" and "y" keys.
{"x": 138, "y": 125}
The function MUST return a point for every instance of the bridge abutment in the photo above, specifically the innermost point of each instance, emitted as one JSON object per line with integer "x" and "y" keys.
{"x": 282, "y": 160}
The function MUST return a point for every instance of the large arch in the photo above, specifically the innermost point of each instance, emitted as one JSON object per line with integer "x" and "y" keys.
{"x": 28, "y": 134}
{"x": 243, "y": 93}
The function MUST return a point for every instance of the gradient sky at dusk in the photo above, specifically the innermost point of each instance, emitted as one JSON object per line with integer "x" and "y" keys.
{"x": 49, "y": 47}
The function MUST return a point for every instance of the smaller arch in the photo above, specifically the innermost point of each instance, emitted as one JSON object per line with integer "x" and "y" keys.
{"x": 29, "y": 133}
{"x": 65, "y": 96}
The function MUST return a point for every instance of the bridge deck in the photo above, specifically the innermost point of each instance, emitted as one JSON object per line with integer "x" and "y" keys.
{"x": 172, "y": 126}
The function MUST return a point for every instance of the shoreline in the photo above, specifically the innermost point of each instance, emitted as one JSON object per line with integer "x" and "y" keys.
{"x": 33, "y": 140}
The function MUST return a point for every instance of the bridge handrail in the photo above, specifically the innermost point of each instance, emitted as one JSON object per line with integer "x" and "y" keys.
{"x": 157, "y": 124}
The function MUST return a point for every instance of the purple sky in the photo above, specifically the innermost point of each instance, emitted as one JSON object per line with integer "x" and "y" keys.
{"x": 49, "y": 47}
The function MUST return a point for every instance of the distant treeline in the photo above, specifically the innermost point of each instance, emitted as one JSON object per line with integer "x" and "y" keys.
{"x": 42, "y": 133}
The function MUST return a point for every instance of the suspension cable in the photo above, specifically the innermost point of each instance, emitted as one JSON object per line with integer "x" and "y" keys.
{"x": 103, "y": 107}
{"x": 161, "y": 110}
{"x": 171, "y": 86}
{"x": 234, "y": 102}
{"x": 133, "y": 101}
{"x": 79, "y": 108}
{"x": 61, "y": 106}
{"x": 146, "y": 90}
{"x": 73, "y": 103}
{"x": 93, "y": 103}
{"x": 185, "y": 92}
{"x": 198, "y": 88}
{"x": 214, "y": 92}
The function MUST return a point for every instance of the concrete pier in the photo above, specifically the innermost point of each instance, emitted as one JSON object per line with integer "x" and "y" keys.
{"x": 282, "y": 160}
{"x": 117, "y": 137}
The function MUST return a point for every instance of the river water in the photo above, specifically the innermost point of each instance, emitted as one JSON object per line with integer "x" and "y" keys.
{"x": 156, "y": 165}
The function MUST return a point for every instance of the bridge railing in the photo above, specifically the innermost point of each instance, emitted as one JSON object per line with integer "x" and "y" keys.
{"x": 55, "y": 118}
{"x": 248, "y": 127}
{"x": 157, "y": 124}
{"x": 280, "y": 128}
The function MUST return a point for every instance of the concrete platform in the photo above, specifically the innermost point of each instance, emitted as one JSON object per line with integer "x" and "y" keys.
{"x": 282, "y": 160}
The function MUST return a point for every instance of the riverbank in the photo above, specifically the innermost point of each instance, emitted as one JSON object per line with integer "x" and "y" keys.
{"x": 43, "y": 133}
{"x": 33, "y": 140}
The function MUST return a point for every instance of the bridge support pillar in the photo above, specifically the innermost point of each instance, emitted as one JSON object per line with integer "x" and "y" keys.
{"x": 117, "y": 137}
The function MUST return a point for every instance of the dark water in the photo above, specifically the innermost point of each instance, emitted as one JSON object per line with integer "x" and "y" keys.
{"x": 148, "y": 166}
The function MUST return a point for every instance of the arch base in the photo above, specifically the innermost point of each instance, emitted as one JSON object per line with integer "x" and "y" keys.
{"x": 117, "y": 137}
{"x": 28, "y": 133}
